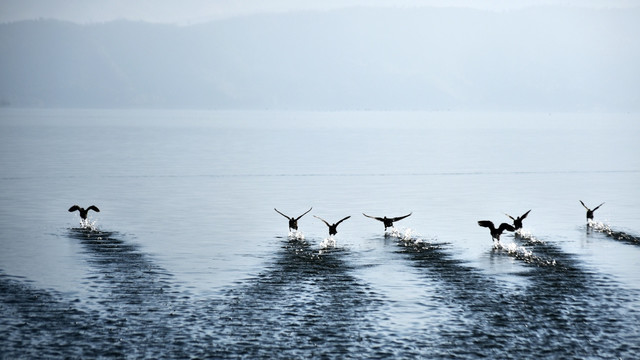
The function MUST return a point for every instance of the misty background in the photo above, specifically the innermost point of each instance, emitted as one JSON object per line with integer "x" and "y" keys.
{"x": 547, "y": 58}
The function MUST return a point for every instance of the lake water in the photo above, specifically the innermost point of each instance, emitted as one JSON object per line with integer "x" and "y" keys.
{"x": 188, "y": 259}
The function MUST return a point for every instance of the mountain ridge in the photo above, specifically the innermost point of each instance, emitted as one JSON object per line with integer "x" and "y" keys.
{"x": 347, "y": 59}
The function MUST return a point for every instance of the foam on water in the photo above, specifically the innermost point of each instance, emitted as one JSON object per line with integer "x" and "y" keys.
{"x": 513, "y": 249}
{"x": 527, "y": 236}
{"x": 328, "y": 243}
{"x": 606, "y": 229}
{"x": 598, "y": 226}
{"x": 409, "y": 237}
{"x": 401, "y": 234}
{"x": 88, "y": 224}
{"x": 296, "y": 235}
{"x": 521, "y": 252}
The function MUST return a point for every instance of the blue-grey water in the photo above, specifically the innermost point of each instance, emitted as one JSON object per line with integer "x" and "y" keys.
{"x": 188, "y": 259}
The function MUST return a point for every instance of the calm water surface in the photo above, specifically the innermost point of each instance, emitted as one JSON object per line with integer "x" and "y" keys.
{"x": 187, "y": 257}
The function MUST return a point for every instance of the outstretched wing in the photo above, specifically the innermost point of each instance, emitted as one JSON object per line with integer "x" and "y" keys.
{"x": 281, "y": 213}
{"x": 298, "y": 218}
{"x": 596, "y": 208}
{"x": 505, "y": 226}
{"x": 323, "y": 220}
{"x": 373, "y": 217}
{"x": 585, "y": 206}
{"x": 401, "y": 217}
{"x": 525, "y": 215}
{"x": 342, "y": 220}
{"x": 487, "y": 224}
{"x": 510, "y": 217}
{"x": 94, "y": 208}
{"x": 74, "y": 208}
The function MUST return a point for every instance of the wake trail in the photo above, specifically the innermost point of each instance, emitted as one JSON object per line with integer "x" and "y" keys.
{"x": 524, "y": 252}
{"x": 134, "y": 297}
{"x": 606, "y": 229}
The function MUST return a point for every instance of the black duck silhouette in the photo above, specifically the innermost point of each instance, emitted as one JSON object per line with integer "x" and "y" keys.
{"x": 83, "y": 212}
{"x": 388, "y": 222}
{"x": 293, "y": 222}
{"x": 333, "y": 229}
{"x": 495, "y": 233}
{"x": 517, "y": 222}
{"x": 589, "y": 211}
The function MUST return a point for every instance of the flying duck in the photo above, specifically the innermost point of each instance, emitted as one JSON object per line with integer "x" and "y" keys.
{"x": 589, "y": 211}
{"x": 517, "y": 222}
{"x": 293, "y": 222}
{"x": 388, "y": 222}
{"x": 83, "y": 212}
{"x": 333, "y": 229}
{"x": 495, "y": 233}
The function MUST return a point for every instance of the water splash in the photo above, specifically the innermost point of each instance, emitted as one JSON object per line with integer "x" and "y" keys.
{"x": 328, "y": 243}
{"x": 88, "y": 224}
{"x": 410, "y": 238}
{"x": 401, "y": 234}
{"x": 607, "y": 230}
{"x": 527, "y": 236}
{"x": 296, "y": 235}
{"x": 599, "y": 226}
{"x": 522, "y": 253}
{"x": 513, "y": 249}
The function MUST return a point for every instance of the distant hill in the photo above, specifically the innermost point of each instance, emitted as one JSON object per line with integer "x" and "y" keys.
{"x": 540, "y": 59}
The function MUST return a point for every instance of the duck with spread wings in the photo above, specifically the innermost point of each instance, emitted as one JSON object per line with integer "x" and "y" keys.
{"x": 517, "y": 222}
{"x": 388, "y": 222}
{"x": 83, "y": 211}
{"x": 293, "y": 222}
{"x": 333, "y": 228}
{"x": 589, "y": 211}
{"x": 495, "y": 233}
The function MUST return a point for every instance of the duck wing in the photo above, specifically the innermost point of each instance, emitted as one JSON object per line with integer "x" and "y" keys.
{"x": 401, "y": 217}
{"x": 323, "y": 220}
{"x": 585, "y": 206}
{"x": 373, "y": 217}
{"x": 505, "y": 226}
{"x": 525, "y": 215}
{"x": 74, "y": 208}
{"x": 596, "y": 208}
{"x": 298, "y": 218}
{"x": 94, "y": 208}
{"x": 487, "y": 224}
{"x": 342, "y": 220}
{"x": 281, "y": 213}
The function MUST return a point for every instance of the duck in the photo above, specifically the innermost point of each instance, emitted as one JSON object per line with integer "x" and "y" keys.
{"x": 495, "y": 233}
{"x": 333, "y": 228}
{"x": 293, "y": 222}
{"x": 388, "y": 222}
{"x": 517, "y": 222}
{"x": 83, "y": 212}
{"x": 589, "y": 211}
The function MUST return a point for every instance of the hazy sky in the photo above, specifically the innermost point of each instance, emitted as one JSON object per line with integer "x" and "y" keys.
{"x": 193, "y": 11}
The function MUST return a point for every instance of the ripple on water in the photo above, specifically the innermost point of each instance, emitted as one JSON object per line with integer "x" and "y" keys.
{"x": 308, "y": 303}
